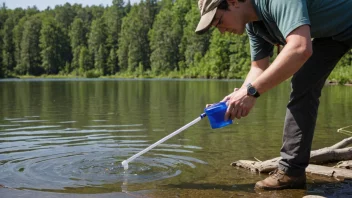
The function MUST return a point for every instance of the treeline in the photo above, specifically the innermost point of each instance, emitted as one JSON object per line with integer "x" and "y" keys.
{"x": 152, "y": 38}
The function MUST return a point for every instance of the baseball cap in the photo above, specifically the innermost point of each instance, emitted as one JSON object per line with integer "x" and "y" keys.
{"x": 207, "y": 10}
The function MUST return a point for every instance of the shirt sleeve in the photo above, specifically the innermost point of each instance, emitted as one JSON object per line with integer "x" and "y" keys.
{"x": 260, "y": 48}
{"x": 289, "y": 14}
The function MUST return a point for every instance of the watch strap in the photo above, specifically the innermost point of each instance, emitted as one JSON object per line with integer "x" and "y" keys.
{"x": 250, "y": 86}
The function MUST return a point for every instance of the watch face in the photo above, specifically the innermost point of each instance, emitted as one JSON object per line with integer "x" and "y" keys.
{"x": 252, "y": 91}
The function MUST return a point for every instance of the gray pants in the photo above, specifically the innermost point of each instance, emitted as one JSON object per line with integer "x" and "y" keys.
{"x": 302, "y": 109}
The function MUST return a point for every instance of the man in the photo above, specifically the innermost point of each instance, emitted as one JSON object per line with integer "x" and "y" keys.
{"x": 293, "y": 24}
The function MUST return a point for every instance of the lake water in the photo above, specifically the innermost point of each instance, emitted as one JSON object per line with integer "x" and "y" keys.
{"x": 70, "y": 136}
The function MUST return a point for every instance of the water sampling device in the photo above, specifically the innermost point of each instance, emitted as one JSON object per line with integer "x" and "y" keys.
{"x": 215, "y": 114}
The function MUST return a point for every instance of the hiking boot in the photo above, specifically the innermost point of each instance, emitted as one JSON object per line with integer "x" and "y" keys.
{"x": 279, "y": 180}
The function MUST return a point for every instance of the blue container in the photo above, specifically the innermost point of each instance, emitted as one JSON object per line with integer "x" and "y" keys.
{"x": 216, "y": 115}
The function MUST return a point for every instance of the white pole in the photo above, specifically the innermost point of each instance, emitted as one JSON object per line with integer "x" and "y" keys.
{"x": 125, "y": 162}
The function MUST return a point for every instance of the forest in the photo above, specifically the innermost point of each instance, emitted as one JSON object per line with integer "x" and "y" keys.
{"x": 147, "y": 39}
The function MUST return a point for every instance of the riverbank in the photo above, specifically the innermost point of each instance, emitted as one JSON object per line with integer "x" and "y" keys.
{"x": 337, "y": 77}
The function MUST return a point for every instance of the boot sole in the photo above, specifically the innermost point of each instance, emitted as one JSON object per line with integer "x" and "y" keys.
{"x": 290, "y": 186}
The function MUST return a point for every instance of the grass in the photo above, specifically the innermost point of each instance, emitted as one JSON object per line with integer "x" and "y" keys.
{"x": 341, "y": 75}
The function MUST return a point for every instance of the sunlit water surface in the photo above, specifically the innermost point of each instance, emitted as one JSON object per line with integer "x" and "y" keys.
{"x": 70, "y": 136}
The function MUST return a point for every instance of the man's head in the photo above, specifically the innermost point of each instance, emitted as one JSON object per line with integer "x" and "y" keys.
{"x": 226, "y": 15}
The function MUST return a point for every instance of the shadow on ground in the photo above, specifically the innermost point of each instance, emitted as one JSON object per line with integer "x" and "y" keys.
{"x": 331, "y": 189}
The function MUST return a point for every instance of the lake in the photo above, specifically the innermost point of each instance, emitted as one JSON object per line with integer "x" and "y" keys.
{"x": 69, "y": 137}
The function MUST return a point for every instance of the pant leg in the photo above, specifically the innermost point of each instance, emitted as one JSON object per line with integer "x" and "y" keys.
{"x": 302, "y": 109}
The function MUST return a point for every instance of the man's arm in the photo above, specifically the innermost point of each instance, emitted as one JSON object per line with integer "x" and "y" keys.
{"x": 295, "y": 53}
{"x": 257, "y": 68}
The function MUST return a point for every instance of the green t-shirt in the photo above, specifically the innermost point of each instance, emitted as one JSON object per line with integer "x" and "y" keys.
{"x": 278, "y": 18}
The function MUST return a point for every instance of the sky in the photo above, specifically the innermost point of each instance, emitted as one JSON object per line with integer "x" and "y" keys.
{"x": 43, "y": 4}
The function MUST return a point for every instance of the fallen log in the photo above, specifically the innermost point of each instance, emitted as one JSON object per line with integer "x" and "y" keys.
{"x": 337, "y": 173}
{"x": 334, "y": 153}
{"x": 344, "y": 164}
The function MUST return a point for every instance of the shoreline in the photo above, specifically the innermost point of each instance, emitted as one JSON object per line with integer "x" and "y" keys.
{"x": 121, "y": 77}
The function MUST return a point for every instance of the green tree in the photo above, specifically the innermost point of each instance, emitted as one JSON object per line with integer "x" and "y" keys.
{"x": 95, "y": 12}
{"x": 54, "y": 46}
{"x": 97, "y": 40}
{"x": 30, "y": 51}
{"x": 3, "y": 18}
{"x": 82, "y": 13}
{"x": 163, "y": 42}
{"x": 9, "y": 46}
{"x": 346, "y": 61}
{"x": 17, "y": 39}
{"x": 4, "y": 14}
{"x": 113, "y": 19}
{"x": 128, "y": 7}
{"x": 8, "y": 49}
{"x": 30, "y": 11}
{"x": 179, "y": 11}
{"x": 78, "y": 38}
{"x": 65, "y": 15}
{"x": 166, "y": 35}
{"x": 85, "y": 62}
{"x": 100, "y": 61}
{"x": 134, "y": 47}
{"x": 240, "y": 57}
{"x": 216, "y": 62}
{"x": 112, "y": 62}
{"x": 193, "y": 47}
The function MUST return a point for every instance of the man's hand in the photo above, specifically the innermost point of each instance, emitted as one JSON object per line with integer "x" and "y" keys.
{"x": 229, "y": 96}
{"x": 239, "y": 104}
{"x": 225, "y": 99}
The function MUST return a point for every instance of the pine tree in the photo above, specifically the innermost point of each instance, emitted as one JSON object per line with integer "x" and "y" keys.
{"x": 3, "y": 18}
{"x": 112, "y": 62}
{"x": 78, "y": 38}
{"x": 163, "y": 57}
{"x": 30, "y": 51}
{"x": 100, "y": 60}
{"x": 85, "y": 61}
{"x": 8, "y": 49}
{"x": 54, "y": 46}
{"x": 193, "y": 47}
{"x": 65, "y": 15}
{"x": 216, "y": 62}
{"x": 240, "y": 57}
{"x": 113, "y": 19}
{"x": 97, "y": 40}
{"x": 166, "y": 35}
{"x": 17, "y": 39}
{"x": 346, "y": 60}
{"x": 134, "y": 47}
{"x": 9, "y": 46}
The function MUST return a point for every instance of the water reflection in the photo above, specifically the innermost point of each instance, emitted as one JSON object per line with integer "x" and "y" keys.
{"x": 71, "y": 135}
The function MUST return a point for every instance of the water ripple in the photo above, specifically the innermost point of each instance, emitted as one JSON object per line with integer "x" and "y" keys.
{"x": 54, "y": 157}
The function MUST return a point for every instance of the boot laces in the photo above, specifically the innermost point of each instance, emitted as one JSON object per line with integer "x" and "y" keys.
{"x": 276, "y": 174}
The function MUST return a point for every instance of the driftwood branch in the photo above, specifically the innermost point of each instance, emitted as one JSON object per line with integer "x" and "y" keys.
{"x": 327, "y": 155}
{"x": 337, "y": 173}
{"x": 342, "y": 144}
{"x": 344, "y": 164}
{"x": 335, "y": 153}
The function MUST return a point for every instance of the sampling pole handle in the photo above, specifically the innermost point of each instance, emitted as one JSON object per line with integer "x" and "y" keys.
{"x": 125, "y": 162}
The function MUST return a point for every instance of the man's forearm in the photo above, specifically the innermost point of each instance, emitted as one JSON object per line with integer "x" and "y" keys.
{"x": 295, "y": 53}
{"x": 257, "y": 68}
{"x": 253, "y": 74}
{"x": 289, "y": 61}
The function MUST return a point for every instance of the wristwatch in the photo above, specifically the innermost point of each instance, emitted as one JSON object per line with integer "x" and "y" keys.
{"x": 252, "y": 91}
